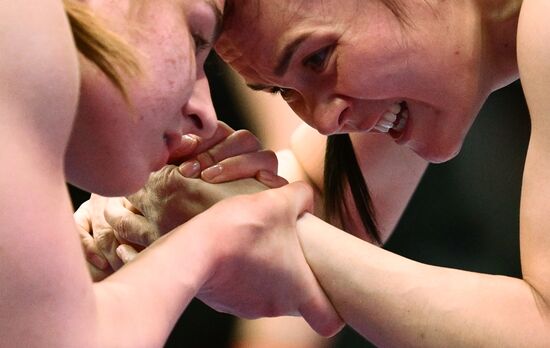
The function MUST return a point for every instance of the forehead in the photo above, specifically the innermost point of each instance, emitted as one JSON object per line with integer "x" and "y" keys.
{"x": 255, "y": 31}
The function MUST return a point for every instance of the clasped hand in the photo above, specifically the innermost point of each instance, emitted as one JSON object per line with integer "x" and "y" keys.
{"x": 257, "y": 267}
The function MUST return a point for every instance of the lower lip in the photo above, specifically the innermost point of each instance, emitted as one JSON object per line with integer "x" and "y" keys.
{"x": 405, "y": 135}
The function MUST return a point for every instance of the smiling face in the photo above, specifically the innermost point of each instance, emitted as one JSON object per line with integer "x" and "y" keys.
{"x": 114, "y": 146}
{"x": 354, "y": 66}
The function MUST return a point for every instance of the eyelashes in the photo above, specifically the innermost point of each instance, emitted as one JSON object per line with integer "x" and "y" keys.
{"x": 285, "y": 93}
{"x": 201, "y": 43}
{"x": 318, "y": 61}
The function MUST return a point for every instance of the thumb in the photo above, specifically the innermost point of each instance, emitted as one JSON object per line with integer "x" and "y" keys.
{"x": 126, "y": 253}
{"x": 321, "y": 315}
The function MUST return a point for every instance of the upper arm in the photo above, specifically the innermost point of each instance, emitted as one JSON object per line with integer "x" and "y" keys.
{"x": 534, "y": 66}
{"x": 41, "y": 291}
{"x": 38, "y": 71}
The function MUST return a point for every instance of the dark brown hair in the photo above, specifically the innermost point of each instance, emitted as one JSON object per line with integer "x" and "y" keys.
{"x": 100, "y": 46}
{"x": 342, "y": 170}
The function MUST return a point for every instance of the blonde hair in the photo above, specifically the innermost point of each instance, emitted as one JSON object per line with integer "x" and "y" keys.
{"x": 100, "y": 46}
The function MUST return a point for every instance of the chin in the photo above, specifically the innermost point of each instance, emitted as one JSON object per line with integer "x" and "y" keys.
{"x": 439, "y": 155}
{"x": 108, "y": 186}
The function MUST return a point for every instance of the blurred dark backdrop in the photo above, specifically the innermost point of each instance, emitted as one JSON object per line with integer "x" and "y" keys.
{"x": 465, "y": 213}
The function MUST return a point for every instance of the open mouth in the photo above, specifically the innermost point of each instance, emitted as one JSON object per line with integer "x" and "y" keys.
{"x": 394, "y": 120}
{"x": 400, "y": 121}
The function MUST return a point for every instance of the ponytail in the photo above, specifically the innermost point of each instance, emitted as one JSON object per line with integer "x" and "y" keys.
{"x": 341, "y": 167}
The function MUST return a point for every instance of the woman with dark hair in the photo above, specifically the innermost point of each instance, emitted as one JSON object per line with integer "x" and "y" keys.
{"x": 395, "y": 85}
{"x": 101, "y": 104}
{"x": 405, "y": 80}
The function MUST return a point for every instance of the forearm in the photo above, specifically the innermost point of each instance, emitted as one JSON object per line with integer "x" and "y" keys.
{"x": 391, "y": 172}
{"x": 394, "y": 301}
{"x": 152, "y": 291}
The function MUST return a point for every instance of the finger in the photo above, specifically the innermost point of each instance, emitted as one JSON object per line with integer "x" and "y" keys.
{"x": 242, "y": 166}
{"x": 239, "y": 142}
{"x": 128, "y": 205}
{"x": 271, "y": 180}
{"x": 299, "y": 196}
{"x": 98, "y": 274}
{"x": 84, "y": 227}
{"x": 129, "y": 226}
{"x": 126, "y": 253}
{"x": 91, "y": 251}
{"x": 82, "y": 217}
{"x": 188, "y": 146}
{"x": 107, "y": 243}
{"x": 320, "y": 314}
{"x": 190, "y": 169}
{"x": 193, "y": 144}
{"x": 222, "y": 132}
{"x": 103, "y": 234}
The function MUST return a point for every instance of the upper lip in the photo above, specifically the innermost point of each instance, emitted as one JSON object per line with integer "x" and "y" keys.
{"x": 345, "y": 123}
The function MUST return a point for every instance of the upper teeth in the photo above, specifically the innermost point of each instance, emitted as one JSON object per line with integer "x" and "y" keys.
{"x": 387, "y": 121}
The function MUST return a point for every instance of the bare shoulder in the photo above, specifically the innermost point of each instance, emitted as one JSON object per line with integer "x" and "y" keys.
{"x": 308, "y": 147}
{"x": 534, "y": 57}
{"x": 38, "y": 69}
{"x": 38, "y": 96}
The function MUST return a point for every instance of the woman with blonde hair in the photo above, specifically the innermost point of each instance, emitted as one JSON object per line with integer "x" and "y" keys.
{"x": 102, "y": 111}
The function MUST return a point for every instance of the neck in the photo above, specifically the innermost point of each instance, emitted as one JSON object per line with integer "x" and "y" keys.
{"x": 499, "y": 19}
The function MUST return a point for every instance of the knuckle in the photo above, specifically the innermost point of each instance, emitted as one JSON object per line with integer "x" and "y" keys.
{"x": 88, "y": 246}
{"x": 121, "y": 226}
{"x": 104, "y": 239}
{"x": 164, "y": 178}
{"x": 206, "y": 159}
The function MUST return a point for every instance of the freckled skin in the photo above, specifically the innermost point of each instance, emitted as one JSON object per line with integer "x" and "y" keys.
{"x": 131, "y": 138}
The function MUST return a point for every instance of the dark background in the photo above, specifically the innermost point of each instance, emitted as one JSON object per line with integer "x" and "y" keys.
{"x": 464, "y": 214}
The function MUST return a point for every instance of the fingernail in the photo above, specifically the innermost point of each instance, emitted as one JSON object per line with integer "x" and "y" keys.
{"x": 212, "y": 172}
{"x": 99, "y": 262}
{"x": 188, "y": 140}
{"x": 124, "y": 254}
{"x": 190, "y": 169}
{"x": 264, "y": 175}
{"x": 187, "y": 146}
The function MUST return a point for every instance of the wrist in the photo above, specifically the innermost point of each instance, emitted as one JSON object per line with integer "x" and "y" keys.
{"x": 199, "y": 247}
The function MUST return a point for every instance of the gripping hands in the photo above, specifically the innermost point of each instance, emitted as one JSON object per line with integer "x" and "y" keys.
{"x": 257, "y": 267}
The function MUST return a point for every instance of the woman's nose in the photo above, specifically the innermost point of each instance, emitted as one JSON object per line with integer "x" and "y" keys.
{"x": 199, "y": 116}
{"x": 328, "y": 114}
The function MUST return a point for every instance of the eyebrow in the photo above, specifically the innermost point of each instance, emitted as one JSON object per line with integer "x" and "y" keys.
{"x": 218, "y": 15}
{"x": 287, "y": 53}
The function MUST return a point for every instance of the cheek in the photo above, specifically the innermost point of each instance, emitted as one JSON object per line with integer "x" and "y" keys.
{"x": 372, "y": 75}
{"x": 170, "y": 67}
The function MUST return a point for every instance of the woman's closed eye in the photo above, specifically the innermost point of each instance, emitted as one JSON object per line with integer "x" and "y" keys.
{"x": 201, "y": 43}
{"x": 287, "y": 94}
{"x": 318, "y": 61}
